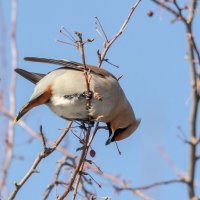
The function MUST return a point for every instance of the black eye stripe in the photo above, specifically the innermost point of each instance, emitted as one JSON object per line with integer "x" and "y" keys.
{"x": 119, "y": 131}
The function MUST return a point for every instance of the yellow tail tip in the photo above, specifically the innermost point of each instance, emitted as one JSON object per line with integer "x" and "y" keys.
{"x": 15, "y": 120}
{"x": 21, "y": 113}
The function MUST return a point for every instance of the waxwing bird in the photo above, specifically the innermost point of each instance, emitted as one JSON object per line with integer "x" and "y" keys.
{"x": 64, "y": 91}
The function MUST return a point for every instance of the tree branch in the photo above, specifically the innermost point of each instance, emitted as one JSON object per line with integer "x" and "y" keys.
{"x": 10, "y": 136}
{"x": 108, "y": 44}
{"x": 163, "y": 5}
{"x": 65, "y": 152}
{"x": 43, "y": 154}
{"x": 55, "y": 181}
{"x": 80, "y": 46}
{"x": 82, "y": 166}
{"x": 193, "y": 115}
{"x": 192, "y": 49}
{"x": 192, "y": 10}
{"x": 77, "y": 170}
{"x": 153, "y": 185}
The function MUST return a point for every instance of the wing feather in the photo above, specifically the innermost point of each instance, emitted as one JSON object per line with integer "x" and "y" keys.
{"x": 71, "y": 65}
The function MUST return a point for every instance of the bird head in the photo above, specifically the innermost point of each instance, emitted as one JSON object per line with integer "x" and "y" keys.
{"x": 118, "y": 133}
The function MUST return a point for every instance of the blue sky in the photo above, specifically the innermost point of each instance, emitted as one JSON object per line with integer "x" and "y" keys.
{"x": 151, "y": 54}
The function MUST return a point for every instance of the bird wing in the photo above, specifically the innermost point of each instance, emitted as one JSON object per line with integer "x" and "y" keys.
{"x": 72, "y": 65}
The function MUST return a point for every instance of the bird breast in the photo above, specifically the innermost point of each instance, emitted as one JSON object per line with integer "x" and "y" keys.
{"x": 68, "y": 101}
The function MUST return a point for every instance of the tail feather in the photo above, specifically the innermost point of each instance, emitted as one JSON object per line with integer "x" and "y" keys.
{"x": 22, "y": 112}
{"x": 33, "y": 77}
{"x": 41, "y": 99}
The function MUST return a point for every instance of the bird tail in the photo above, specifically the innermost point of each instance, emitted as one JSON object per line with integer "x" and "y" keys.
{"x": 39, "y": 100}
{"x": 22, "y": 112}
{"x": 33, "y": 77}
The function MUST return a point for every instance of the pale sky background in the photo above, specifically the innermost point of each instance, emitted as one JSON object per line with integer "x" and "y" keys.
{"x": 152, "y": 57}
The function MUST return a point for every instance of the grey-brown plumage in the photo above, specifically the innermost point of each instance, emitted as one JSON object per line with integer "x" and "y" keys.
{"x": 63, "y": 91}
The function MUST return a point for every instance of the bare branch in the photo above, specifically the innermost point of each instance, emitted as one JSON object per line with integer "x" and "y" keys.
{"x": 153, "y": 185}
{"x": 45, "y": 152}
{"x": 195, "y": 101}
{"x": 55, "y": 181}
{"x": 177, "y": 14}
{"x": 192, "y": 10}
{"x": 196, "y": 50}
{"x": 34, "y": 135}
{"x": 2, "y": 51}
{"x": 88, "y": 164}
{"x": 82, "y": 166}
{"x": 10, "y": 136}
{"x": 66, "y": 33}
{"x": 193, "y": 115}
{"x": 100, "y": 29}
{"x": 192, "y": 49}
{"x": 76, "y": 171}
{"x": 163, "y": 5}
{"x": 81, "y": 162}
{"x": 109, "y": 43}
{"x": 80, "y": 47}
{"x": 63, "y": 42}
{"x": 79, "y": 169}
{"x": 43, "y": 138}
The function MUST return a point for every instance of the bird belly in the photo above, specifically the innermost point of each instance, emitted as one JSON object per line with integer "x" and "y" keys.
{"x": 101, "y": 111}
{"x": 69, "y": 108}
{"x": 75, "y": 108}
{"x": 69, "y": 102}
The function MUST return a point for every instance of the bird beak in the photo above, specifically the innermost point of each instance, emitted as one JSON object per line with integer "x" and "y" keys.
{"x": 114, "y": 134}
{"x": 110, "y": 139}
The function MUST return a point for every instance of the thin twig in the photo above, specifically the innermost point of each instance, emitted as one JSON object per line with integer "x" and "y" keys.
{"x": 82, "y": 52}
{"x": 76, "y": 171}
{"x": 35, "y": 135}
{"x": 43, "y": 154}
{"x": 196, "y": 50}
{"x": 82, "y": 166}
{"x": 193, "y": 115}
{"x": 43, "y": 137}
{"x": 55, "y": 181}
{"x": 66, "y": 33}
{"x": 3, "y": 89}
{"x": 192, "y": 49}
{"x": 109, "y": 44}
{"x": 153, "y": 185}
{"x": 63, "y": 42}
{"x": 169, "y": 9}
{"x": 192, "y": 12}
{"x": 178, "y": 9}
{"x": 65, "y": 152}
{"x": 100, "y": 29}
{"x": 10, "y": 137}
{"x": 87, "y": 193}
{"x": 80, "y": 46}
